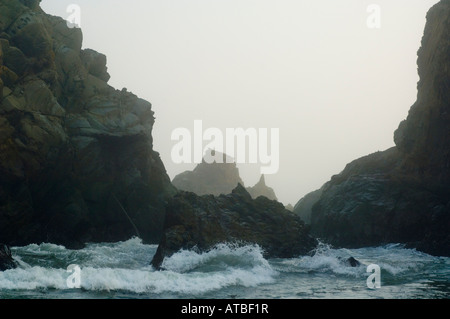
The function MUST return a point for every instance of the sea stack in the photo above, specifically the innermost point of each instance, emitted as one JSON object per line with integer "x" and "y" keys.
{"x": 401, "y": 195}
{"x": 210, "y": 178}
{"x": 261, "y": 189}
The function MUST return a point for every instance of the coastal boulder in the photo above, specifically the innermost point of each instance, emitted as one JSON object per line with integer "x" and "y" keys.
{"x": 201, "y": 222}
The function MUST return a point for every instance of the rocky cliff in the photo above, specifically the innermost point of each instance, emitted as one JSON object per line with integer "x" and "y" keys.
{"x": 201, "y": 222}
{"x": 402, "y": 194}
{"x": 76, "y": 156}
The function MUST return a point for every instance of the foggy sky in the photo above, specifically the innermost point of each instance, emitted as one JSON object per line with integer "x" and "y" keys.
{"x": 335, "y": 88}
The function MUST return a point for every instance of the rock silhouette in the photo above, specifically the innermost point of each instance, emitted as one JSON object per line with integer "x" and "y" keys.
{"x": 6, "y": 259}
{"x": 218, "y": 179}
{"x": 210, "y": 178}
{"x": 261, "y": 189}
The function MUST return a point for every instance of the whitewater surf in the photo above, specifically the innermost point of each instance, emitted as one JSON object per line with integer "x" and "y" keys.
{"x": 122, "y": 270}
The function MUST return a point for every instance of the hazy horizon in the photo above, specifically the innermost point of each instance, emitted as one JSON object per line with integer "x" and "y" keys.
{"x": 334, "y": 87}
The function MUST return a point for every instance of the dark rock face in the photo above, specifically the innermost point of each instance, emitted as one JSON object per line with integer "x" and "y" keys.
{"x": 76, "y": 157}
{"x": 6, "y": 260}
{"x": 402, "y": 194}
{"x": 304, "y": 206}
{"x": 209, "y": 178}
{"x": 350, "y": 262}
{"x": 204, "y": 221}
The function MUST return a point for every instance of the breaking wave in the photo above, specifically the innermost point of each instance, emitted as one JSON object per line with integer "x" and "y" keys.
{"x": 125, "y": 266}
{"x": 123, "y": 270}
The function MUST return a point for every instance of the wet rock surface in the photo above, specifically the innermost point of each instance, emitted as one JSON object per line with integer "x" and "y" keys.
{"x": 6, "y": 259}
{"x": 71, "y": 146}
{"x": 201, "y": 222}
{"x": 401, "y": 195}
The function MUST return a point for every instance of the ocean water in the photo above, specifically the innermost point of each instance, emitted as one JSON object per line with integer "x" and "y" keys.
{"x": 122, "y": 270}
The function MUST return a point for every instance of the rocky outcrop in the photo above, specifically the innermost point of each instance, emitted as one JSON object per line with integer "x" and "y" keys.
{"x": 76, "y": 156}
{"x": 218, "y": 179}
{"x": 6, "y": 259}
{"x": 402, "y": 194}
{"x": 261, "y": 189}
{"x": 201, "y": 222}
{"x": 210, "y": 178}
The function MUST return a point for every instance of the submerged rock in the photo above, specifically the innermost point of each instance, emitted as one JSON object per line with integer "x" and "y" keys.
{"x": 76, "y": 157}
{"x": 401, "y": 195}
{"x": 201, "y": 222}
{"x": 6, "y": 259}
{"x": 352, "y": 262}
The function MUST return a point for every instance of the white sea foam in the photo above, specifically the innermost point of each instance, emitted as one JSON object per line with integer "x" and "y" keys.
{"x": 393, "y": 259}
{"x": 33, "y": 278}
{"x": 123, "y": 270}
{"x": 222, "y": 254}
{"x": 324, "y": 260}
{"x": 125, "y": 267}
